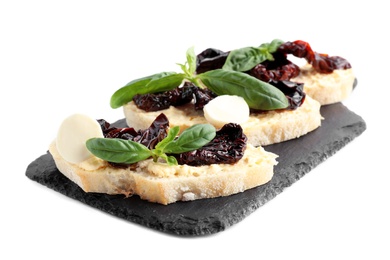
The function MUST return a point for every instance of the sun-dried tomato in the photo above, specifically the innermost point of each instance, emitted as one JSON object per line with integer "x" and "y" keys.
{"x": 149, "y": 137}
{"x": 227, "y": 147}
{"x": 293, "y": 91}
{"x": 175, "y": 97}
{"x": 299, "y": 49}
{"x": 278, "y": 69}
{"x": 163, "y": 100}
{"x": 327, "y": 64}
{"x": 210, "y": 59}
{"x": 202, "y": 97}
{"x": 322, "y": 63}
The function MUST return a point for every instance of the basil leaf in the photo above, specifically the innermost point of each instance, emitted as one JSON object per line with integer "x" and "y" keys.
{"x": 191, "y": 60}
{"x": 171, "y": 160}
{"x": 164, "y": 82}
{"x": 258, "y": 94}
{"x": 128, "y": 152}
{"x": 247, "y": 58}
{"x": 191, "y": 139}
{"x": 173, "y": 132}
{"x": 118, "y": 150}
{"x": 141, "y": 86}
{"x": 126, "y": 93}
{"x": 272, "y": 46}
{"x": 244, "y": 59}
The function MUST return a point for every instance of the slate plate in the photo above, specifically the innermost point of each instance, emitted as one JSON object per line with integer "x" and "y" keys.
{"x": 296, "y": 158}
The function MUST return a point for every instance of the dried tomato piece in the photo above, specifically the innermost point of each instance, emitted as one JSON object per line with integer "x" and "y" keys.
{"x": 293, "y": 91}
{"x": 227, "y": 147}
{"x": 327, "y": 64}
{"x": 105, "y": 126}
{"x": 278, "y": 69}
{"x": 322, "y": 63}
{"x": 175, "y": 97}
{"x": 300, "y": 49}
{"x": 148, "y": 137}
{"x": 210, "y": 59}
{"x": 202, "y": 97}
{"x": 163, "y": 100}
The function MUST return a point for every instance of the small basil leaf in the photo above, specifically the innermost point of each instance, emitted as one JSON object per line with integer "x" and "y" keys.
{"x": 258, "y": 94}
{"x": 172, "y": 133}
{"x": 272, "y": 46}
{"x": 244, "y": 59}
{"x": 191, "y": 139}
{"x": 191, "y": 60}
{"x": 183, "y": 67}
{"x": 141, "y": 86}
{"x": 171, "y": 161}
{"x": 118, "y": 150}
{"x": 247, "y": 58}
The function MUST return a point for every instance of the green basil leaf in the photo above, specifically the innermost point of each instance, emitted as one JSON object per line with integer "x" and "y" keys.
{"x": 171, "y": 161}
{"x": 245, "y": 59}
{"x": 141, "y": 86}
{"x": 191, "y": 60}
{"x": 183, "y": 67}
{"x": 173, "y": 132}
{"x": 191, "y": 139}
{"x": 126, "y": 93}
{"x": 118, "y": 150}
{"x": 164, "y": 83}
{"x": 258, "y": 94}
{"x": 272, "y": 46}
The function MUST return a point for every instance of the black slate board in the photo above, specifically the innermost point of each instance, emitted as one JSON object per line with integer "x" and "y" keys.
{"x": 296, "y": 158}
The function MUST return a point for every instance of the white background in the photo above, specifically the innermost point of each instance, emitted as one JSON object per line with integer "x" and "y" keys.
{"x": 61, "y": 57}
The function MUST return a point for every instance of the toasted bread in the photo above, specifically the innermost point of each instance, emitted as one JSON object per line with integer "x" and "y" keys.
{"x": 164, "y": 184}
{"x": 326, "y": 88}
{"x": 261, "y": 129}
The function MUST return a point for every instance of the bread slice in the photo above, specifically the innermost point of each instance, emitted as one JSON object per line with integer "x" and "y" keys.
{"x": 261, "y": 128}
{"x": 164, "y": 184}
{"x": 326, "y": 88}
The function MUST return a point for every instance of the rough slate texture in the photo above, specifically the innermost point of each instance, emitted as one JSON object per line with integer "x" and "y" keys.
{"x": 208, "y": 216}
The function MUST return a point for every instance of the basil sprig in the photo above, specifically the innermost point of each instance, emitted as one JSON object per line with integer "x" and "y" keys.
{"x": 191, "y": 139}
{"x": 189, "y": 67}
{"x": 257, "y": 94}
{"x": 155, "y": 83}
{"x": 126, "y": 151}
{"x": 244, "y": 59}
{"x": 118, "y": 150}
{"x": 159, "y": 82}
{"x": 226, "y": 81}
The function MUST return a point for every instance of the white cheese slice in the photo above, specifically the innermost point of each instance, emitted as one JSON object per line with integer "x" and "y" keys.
{"x": 226, "y": 109}
{"x": 74, "y": 131}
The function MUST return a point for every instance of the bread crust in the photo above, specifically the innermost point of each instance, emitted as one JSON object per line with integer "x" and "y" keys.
{"x": 164, "y": 184}
{"x": 261, "y": 128}
{"x": 326, "y": 88}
